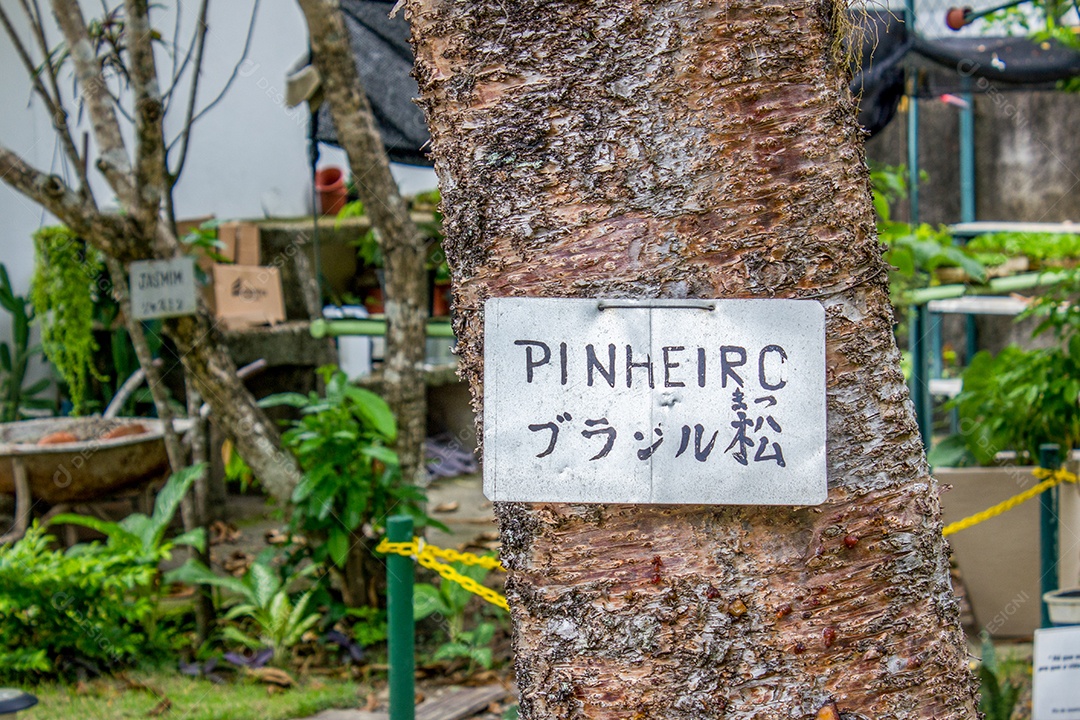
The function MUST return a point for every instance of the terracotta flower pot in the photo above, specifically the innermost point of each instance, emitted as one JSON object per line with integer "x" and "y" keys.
{"x": 330, "y": 184}
{"x": 374, "y": 301}
{"x": 440, "y": 299}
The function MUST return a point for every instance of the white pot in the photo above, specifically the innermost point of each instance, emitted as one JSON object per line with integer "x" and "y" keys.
{"x": 1064, "y": 606}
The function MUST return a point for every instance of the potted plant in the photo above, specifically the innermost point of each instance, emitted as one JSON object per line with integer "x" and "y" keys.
{"x": 1010, "y": 404}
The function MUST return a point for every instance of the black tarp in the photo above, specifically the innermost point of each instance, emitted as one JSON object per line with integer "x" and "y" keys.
{"x": 384, "y": 60}
{"x": 952, "y": 64}
{"x": 878, "y": 78}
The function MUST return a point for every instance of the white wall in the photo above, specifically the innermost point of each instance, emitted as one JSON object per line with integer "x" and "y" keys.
{"x": 248, "y": 154}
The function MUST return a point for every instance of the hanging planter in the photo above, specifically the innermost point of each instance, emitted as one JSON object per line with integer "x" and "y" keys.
{"x": 330, "y": 184}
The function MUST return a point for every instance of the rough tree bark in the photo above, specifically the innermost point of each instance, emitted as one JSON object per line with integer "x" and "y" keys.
{"x": 635, "y": 148}
{"x": 402, "y": 244}
{"x": 139, "y": 180}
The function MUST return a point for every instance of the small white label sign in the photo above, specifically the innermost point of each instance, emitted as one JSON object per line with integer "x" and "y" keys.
{"x": 162, "y": 288}
{"x": 659, "y": 401}
{"x": 1056, "y": 665}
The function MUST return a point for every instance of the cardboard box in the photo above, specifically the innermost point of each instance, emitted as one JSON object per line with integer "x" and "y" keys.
{"x": 241, "y": 240}
{"x": 247, "y": 295}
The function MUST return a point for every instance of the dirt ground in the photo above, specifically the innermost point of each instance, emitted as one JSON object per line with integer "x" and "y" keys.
{"x": 458, "y": 503}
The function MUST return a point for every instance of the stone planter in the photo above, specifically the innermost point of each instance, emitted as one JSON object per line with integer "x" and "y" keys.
{"x": 999, "y": 558}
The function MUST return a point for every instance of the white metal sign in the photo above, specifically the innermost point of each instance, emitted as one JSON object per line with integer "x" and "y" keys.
{"x": 658, "y": 401}
{"x": 162, "y": 288}
{"x": 1056, "y": 666}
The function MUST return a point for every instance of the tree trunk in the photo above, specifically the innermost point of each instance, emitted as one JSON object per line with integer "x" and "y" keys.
{"x": 139, "y": 181}
{"x": 630, "y": 148}
{"x": 363, "y": 579}
{"x": 402, "y": 244}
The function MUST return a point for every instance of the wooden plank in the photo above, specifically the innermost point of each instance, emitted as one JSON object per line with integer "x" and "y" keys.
{"x": 454, "y": 705}
{"x": 349, "y": 715}
{"x": 461, "y": 704}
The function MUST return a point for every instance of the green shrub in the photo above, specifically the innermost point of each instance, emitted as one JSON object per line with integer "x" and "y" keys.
{"x": 1020, "y": 399}
{"x": 265, "y": 604}
{"x": 1015, "y": 400}
{"x": 87, "y": 608}
{"x": 999, "y": 691}
{"x": 93, "y": 608}
{"x": 450, "y": 601}
{"x": 352, "y": 476}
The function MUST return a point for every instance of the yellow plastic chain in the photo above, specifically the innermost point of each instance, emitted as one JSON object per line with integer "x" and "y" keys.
{"x": 426, "y": 555}
{"x": 1053, "y": 478}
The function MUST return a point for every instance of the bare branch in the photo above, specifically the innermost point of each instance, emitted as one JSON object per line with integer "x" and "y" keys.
{"x": 113, "y": 162}
{"x": 53, "y": 100}
{"x": 112, "y": 234}
{"x": 149, "y": 140}
{"x": 178, "y": 70}
{"x": 177, "y": 20}
{"x": 235, "y": 69}
{"x": 189, "y": 115}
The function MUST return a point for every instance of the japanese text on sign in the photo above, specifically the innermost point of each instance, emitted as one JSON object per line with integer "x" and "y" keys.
{"x": 665, "y": 402}
{"x": 162, "y": 288}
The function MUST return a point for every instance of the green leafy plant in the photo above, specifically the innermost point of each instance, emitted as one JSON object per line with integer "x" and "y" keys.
{"x": 1016, "y": 400}
{"x": 66, "y": 271}
{"x": 352, "y": 477}
{"x": 89, "y": 608}
{"x": 266, "y": 604}
{"x": 1042, "y": 248}
{"x": 998, "y": 692}
{"x": 94, "y": 607}
{"x": 450, "y": 601}
{"x": 1040, "y": 20}
{"x": 888, "y": 184}
{"x": 369, "y": 625}
{"x": 1021, "y": 399}
{"x": 914, "y": 252}
{"x": 369, "y": 250}
{"x": 15, "y": 357}
{"x": 143, "y": 536}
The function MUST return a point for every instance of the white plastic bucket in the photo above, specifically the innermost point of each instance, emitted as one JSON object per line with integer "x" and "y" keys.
{"x": 1064, "y": 606}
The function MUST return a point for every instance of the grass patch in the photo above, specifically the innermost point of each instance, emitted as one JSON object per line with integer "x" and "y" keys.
{"x": 146, "y": 694}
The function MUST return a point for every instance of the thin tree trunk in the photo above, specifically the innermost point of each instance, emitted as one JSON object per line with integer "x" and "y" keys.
{"x": 173, "y": 447}
{"x": 232, "y": 406}
{"x": 195, "y": 506}
{"x": 191, "y": 511}
{"x": 687, "y": 149}
{"x": 402, "y": 244}
{"x": 136, "y": 233}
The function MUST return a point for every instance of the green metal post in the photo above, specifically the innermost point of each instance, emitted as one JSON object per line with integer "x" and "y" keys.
{"x": 967, "y": 160}
{"x": 967, "y": 195}
{"x": 913, "y": 124}
{"x": 917, "y": 321}
{"x": 913, "y": 158}
{"x": 401, "y": 627}
{"x": 936, "y": 351}
{"x": 1050, "y": 459}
